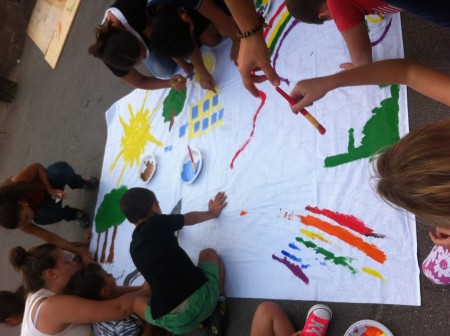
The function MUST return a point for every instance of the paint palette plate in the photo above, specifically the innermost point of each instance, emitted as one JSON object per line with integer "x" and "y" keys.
{"x": 147, "y": 168}
{"x": 188, "y": 173}
{"x": 368, "y": 328}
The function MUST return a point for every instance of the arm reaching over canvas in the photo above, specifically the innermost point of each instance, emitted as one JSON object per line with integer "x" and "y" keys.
{"x": 253, "y": 52}
{"x": 428, "y": 82}
{"x": 215, "y": 207}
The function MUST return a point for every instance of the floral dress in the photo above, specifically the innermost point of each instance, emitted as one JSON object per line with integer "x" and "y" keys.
{"x": 436, "y": 266}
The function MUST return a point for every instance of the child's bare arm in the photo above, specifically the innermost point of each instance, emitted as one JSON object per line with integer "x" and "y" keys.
{"x": 358, "y": 44}
{"x": 206, "y": 80}
{"x": 215, "y": 207}
{"x": 138, "y": 80}
{"x": 50, "y": 237}
{"x": 429, "y": 82}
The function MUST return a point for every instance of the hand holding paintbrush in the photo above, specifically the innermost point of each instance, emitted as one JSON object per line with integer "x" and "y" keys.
{"x": 304, "y": 112}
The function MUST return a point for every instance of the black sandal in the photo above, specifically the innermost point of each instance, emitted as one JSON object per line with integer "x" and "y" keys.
{"x": 83, "y": 220}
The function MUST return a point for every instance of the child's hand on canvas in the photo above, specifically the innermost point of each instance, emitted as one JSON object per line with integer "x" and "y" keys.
{"x": 441, "y": 237}
{"x": 207, "y": 81}
{"x": 216, "y": 206}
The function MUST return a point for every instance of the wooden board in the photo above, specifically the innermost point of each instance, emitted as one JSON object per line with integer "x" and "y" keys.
{"x": 50, "y": 25}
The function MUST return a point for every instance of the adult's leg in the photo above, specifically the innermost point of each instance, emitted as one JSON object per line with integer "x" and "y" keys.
{"x": 49, "y": 212}
{"x": 271, "y": 320}
{"x": 61, "y": 174}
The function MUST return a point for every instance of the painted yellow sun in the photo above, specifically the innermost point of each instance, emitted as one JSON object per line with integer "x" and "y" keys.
{"x": 137, "y": 133}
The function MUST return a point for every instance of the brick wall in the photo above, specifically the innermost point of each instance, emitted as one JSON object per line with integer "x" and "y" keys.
{"x": 14, "y": 17}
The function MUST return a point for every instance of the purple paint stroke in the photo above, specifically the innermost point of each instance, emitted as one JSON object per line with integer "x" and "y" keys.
{"x": 293, "y": 24}
{"x": 297, "y": 271}
{"x": 388, "y": 26}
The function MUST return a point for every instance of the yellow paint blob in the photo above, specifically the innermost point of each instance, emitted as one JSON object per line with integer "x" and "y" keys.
{"x": 314, "y": 235}
{"x": 373, "y": 273}
{"x": 375, "y": 18}
{"x": 210, "y": 65}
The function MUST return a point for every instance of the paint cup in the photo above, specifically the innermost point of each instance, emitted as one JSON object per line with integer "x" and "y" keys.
{"x": 147, "y": 168}
{"x": 368, "y": 328}
{"x": 190, "y": 172}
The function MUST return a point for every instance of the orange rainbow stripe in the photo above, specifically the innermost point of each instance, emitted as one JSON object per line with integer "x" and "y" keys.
{"x": 370, "y": 250}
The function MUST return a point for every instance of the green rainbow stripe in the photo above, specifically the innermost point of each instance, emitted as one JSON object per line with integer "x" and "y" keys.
{"x": 278, "y": 31}
{"x": 342, "y": 261}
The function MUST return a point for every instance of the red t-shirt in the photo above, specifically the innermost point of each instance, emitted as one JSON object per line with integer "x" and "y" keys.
{"x": 348, "y": 13}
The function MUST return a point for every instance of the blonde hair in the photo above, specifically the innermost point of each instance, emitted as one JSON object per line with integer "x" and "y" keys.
{"x": 415, "y": 173}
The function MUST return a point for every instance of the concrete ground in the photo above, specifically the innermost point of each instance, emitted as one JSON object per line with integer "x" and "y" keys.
{"x": 59, "y": 115}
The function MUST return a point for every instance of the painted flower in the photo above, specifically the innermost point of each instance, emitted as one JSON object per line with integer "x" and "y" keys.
{"x": 430, "y": 275}
{"x": 432, "y": 256}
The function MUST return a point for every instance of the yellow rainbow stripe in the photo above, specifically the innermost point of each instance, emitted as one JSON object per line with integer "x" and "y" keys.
{"x": 275, "y": 29}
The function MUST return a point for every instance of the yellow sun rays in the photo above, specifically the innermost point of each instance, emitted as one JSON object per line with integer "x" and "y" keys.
{"x": 137, "y": 133}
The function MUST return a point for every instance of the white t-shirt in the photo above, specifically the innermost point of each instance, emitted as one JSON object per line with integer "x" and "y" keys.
{"x": 28, "y": 327}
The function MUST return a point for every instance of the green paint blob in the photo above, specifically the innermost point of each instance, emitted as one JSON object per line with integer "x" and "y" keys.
{"x": 108, "y": 213}
{"x": 380, "y": 132}
{"x": 174, "y": 103}
{"x": 329, "y": 256}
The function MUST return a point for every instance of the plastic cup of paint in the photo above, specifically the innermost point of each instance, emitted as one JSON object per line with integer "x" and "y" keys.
{"x": 368, "y": 328}
{"x": 147, "y": 168}
{"x": 189, "y": 171}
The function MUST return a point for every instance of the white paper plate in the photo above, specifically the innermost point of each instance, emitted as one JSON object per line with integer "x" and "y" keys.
{"x": 147, "y": 160}
{"x": 187, "y": 172}
{"x": 368, "y": 328}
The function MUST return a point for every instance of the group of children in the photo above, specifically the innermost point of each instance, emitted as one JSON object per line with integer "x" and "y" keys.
{"x": 65, "y": 296}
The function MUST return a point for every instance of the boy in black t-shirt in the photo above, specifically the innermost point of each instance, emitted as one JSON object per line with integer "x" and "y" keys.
{"x": 183, "y": 295}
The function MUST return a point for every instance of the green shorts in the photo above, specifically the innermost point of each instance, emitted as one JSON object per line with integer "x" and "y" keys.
{"x": 199, "y": 307}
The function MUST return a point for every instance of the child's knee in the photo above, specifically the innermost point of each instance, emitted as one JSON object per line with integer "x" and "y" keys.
{"x": 208, "y": 255}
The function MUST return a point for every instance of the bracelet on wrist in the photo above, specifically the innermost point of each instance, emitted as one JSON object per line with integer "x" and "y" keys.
{"x": 261, "y": 24}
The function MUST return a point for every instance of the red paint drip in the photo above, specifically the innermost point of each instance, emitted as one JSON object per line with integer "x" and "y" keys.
{"x": 262, "y": 95}
{"x": 243, "y": 213}
{"x": 349, "y": 221}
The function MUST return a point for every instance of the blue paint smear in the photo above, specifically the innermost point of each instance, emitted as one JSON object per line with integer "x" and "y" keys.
{"x": 294, "y": 247}
{"x": 188, "y": 172}
{"x": 167, "y": 148}
{"x": 305, "y": 266}
{"x": 291, "y": 256}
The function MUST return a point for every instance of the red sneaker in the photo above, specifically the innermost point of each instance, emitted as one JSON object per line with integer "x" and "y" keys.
{"x": 319, "y": 317}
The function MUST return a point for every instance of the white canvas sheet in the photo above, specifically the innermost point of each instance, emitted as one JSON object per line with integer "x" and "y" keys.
{"x": 272, "y": 241}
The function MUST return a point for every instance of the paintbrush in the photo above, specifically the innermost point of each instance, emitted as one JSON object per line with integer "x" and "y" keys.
{"x": 305, "y": 113}
{"x": 192, "y": 159}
